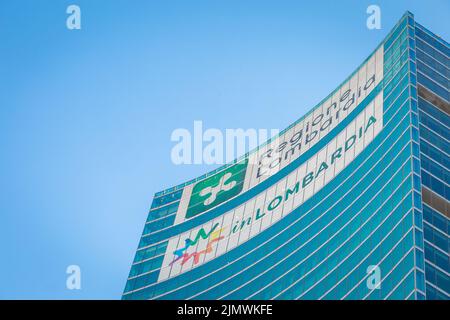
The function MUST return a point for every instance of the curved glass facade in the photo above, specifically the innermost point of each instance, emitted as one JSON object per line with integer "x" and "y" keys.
{"x": 349, "y": 202}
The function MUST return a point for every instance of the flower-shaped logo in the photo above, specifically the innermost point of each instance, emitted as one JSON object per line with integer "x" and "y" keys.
{"x": 216, "y": 189}
{"x": 213, "y": 191}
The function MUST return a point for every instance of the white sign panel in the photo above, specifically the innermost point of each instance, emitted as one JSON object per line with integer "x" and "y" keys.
{"x": 205, "y": 242}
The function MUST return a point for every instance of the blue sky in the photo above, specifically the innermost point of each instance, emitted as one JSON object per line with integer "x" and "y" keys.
{"x": 86, "y": 115}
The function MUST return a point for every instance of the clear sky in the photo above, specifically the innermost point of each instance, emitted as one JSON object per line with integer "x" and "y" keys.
{"x": 86, "y": 115}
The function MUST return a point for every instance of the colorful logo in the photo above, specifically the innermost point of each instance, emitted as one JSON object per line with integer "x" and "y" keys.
{"x": 217, "y": 189}
{"x": 213, "y": 235}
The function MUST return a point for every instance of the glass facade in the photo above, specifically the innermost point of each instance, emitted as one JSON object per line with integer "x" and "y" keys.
{"x": 432, "y": 59}
{"x": 349, "y": 202}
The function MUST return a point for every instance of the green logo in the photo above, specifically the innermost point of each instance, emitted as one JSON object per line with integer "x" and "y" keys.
{"x": 217, "y": 189}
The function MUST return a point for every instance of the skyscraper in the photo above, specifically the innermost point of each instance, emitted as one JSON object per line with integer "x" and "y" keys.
{"x": 349, "y": 202}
